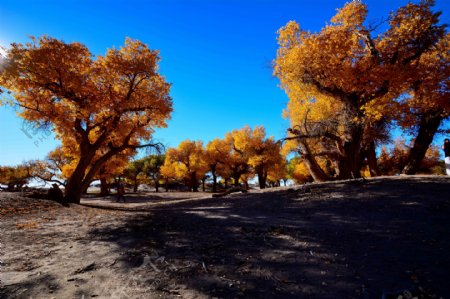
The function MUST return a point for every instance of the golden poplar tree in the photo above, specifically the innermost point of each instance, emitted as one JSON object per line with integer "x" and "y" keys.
{"x": 107, "y": 104}
{"x": 263, "y": 153}
{"x": 216, "y": 154}
{"x": 186, "y": 162}
{"x": 427, "y": 103}
{"x": 236, "y": 160}
{"x": 343, "y": 81}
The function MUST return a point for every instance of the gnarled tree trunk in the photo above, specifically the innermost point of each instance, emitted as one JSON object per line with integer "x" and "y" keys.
{"x": 314, "y": 168}
{"x": 350, "y": 161}
{"x": 74, "y": 188}
{"x": 428, "y": 126}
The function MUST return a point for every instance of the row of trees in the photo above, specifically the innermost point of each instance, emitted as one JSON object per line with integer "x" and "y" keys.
{"x": 239, "y": 156}
{"x": 14, "y": 177}
{"x": 349, "y": 84}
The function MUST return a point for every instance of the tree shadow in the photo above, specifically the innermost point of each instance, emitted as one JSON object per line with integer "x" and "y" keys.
{"x": 43, "y": 284}
{"x": 342, "y": 240}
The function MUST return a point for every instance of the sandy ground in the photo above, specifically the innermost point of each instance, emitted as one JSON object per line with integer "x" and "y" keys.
{"x": 381, "y": 237}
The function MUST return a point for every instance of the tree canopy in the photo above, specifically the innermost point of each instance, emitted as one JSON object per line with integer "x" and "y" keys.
{"x": 344, "y": 83}
{"x": 98, "y": 106}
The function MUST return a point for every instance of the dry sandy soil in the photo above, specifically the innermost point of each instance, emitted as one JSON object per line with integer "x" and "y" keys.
{"x": 359, "y": 239}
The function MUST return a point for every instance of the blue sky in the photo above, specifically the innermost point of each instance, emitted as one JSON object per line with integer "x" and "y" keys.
{"x": 217, "y": 55}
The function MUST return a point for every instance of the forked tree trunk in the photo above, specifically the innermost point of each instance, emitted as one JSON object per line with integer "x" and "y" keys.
{"x": 76, "y": 184}
{"x": 80, "y": 180}
{"x": 428, "y": 126}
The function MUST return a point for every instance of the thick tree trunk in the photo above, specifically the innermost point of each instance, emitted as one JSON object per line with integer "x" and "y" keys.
{"x": 104, "y": 190}
{"x": 372, "y": 160}
{"x": 74, "y": 188}
{"x": 77, "y": 182}
{"x": 73, "y": 195}
{"x": 262, "y": 178}
{"x": 236, "y": 179}
{"x": 350, "y": 163}
{"x": 10, "y": 187}
{"x": 428, "y": 126}
{"x": 194, "y": 182}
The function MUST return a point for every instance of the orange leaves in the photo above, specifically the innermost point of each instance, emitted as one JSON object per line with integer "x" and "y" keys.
{"x": 251, "y": 152}
{"x": 240, "y": 155}
{"x": 99, "y": 107}
{"x": 16, "y": 176}
{"x": 61, "y": 83}
{"x": 344, "y": 59}
{"x": 412, "y": 21}
{"x": 393, "y": 159}
{"x": 253, "y": 144}
{"x": 300, "y": 172}
{"x": 352, "y": 14}
{"x": 187, "y": 162}
{"x": 27, "y": 225}
{"x": 346, "y": 76}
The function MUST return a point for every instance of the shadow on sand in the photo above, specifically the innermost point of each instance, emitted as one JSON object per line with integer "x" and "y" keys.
{"x": 344, "y": 240}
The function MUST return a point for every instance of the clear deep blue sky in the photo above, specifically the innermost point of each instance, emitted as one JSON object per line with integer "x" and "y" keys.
{"x": 217, "y": 55}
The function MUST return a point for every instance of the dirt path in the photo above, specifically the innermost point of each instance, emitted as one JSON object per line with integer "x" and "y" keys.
{"x": 340, "y": 240}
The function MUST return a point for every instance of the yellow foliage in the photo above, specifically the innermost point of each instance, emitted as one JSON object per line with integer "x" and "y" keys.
{"x": 343, "y": 82}
{"x": 99, "y": 107}
{"x": 301, "y": 173}
{"x": 250, "y": 148}
{"x": 186, "y": 162}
